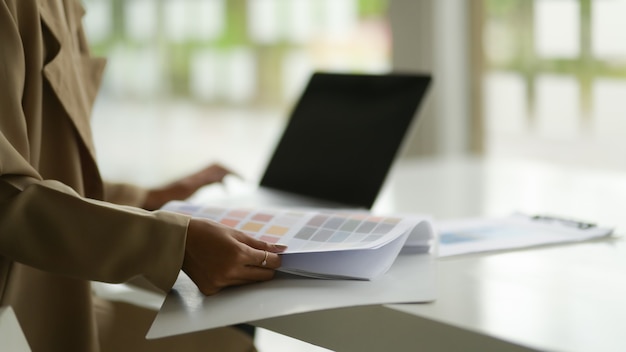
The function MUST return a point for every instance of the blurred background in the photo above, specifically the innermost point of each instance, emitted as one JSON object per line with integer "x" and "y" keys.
{"x": 194, "y": 81}
{"x": 190, "y": 82}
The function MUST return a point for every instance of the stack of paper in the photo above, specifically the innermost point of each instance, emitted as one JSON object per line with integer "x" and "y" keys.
{"x": 325, "y": 243}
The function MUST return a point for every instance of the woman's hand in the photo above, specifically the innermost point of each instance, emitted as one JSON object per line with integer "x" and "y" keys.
{"x": 217, "y": 256}
{"x": 185, "y": 187}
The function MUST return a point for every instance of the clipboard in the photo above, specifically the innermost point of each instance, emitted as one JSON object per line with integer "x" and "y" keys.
{"x": 464, "y": 236}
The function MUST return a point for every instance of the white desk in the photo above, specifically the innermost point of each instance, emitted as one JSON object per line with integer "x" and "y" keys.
{"x": 11, "y": 336}
{"x": 560, "y": 298}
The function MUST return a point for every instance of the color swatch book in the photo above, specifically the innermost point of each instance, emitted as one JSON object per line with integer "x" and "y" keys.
{"x": 325, "y": 243}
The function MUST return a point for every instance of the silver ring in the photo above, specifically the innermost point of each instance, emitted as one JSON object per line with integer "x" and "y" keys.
{"x": 264, "y": 262}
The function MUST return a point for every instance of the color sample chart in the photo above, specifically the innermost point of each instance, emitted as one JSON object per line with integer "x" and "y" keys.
{"x": 302, "y": 231}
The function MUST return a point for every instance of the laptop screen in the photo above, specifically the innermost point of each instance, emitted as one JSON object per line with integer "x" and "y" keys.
{"x": 344, "y": 134}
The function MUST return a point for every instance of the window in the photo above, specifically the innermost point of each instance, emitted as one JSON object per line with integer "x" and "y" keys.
{"x": 239, "y": 52}
{"x": 555, "y": 80}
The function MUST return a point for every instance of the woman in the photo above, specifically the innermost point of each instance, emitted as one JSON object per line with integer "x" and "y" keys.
{"x": 61, "y": 226}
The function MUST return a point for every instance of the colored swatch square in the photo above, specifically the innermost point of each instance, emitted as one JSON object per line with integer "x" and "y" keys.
{"x": 239, "y": 214}
{"x": 262, "y": 217}
{"x": 383, "y": 228}
{"x": 366, "y": 227}
{"x": 392, "y": 220}
{"x": 277, "y": 230}
{"x": 350, "y": 225}
{"x": 252, "y": 226}
{"x": 211, "y": 211}
{"x": 270, "y": 239}
{"x": 359, "y": 216}
{"x": 334, "y": 223}
{"x": 188, "y": 209}
{"x": 230, "y": 222}
{"x": 305, "y": 233}
{"x": 207, "y": 216}
{"x": 356, "y": 238}
{"x": 322, "y": 235}
{"x": 318, "y": 220}
{"x": 339, "y": 237}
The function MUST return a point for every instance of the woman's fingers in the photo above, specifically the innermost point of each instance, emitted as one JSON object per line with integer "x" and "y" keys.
{"x": 262, "y": 254}
{"x": 265, "y": 259}
{"x": 258, "y": 244}
{"x": 217, "y": 256}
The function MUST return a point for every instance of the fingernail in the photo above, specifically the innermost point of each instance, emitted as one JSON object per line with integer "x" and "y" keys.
{"x": 280, "y": 247}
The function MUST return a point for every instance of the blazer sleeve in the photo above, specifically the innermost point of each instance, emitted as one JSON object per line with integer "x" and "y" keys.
{"x": 47, "y": 225}
{"x": 125, "y": 194}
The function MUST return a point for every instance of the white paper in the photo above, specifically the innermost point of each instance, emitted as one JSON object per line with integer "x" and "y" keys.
{"x": 411, "y": 279}
{"x": 324, "y": 243}
{"x": 464, "y": 236}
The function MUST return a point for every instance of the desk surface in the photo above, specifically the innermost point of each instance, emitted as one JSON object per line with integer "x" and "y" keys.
{"x": 567, "y": 298}
{"x": 11, "y": 334}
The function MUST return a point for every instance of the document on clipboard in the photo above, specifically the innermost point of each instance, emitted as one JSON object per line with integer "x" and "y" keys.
{"x": 464, "y": 236}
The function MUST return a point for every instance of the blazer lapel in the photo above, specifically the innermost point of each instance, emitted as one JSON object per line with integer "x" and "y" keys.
{"x": 73, "y": 75}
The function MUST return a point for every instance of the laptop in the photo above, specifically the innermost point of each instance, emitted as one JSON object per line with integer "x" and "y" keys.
{"x": 340, "y": 142}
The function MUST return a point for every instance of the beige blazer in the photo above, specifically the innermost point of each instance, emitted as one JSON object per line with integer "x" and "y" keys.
{"x": 57, "y": 230}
